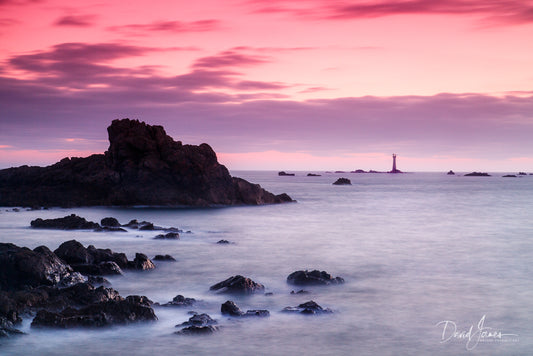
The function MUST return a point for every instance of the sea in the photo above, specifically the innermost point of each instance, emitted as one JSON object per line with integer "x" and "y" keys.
{"x": 433, "y": 264}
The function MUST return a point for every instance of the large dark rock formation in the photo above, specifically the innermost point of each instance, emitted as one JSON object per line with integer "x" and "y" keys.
{"x": 143, "y": 166}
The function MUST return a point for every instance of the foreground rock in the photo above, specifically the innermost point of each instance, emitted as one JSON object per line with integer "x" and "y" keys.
{"x": 309, "y": 307}
{"x": 231, "y": 309}
{"x": 7, "y": 328}
{"x": 142, "y": 166}
{"x": 315, "y": 277}
{"x": 342, "y": 181}
{"x": 238, "y": 285}
{"x": 96, "y": 261}
{"x": 22, "y": 268}
{"x": 123, "y": 311}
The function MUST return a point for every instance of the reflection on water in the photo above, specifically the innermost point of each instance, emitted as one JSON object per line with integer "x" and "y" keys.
{"x": 414, "y": 249}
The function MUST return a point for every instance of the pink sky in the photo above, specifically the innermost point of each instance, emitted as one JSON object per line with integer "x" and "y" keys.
{"x": 278, "y": 84}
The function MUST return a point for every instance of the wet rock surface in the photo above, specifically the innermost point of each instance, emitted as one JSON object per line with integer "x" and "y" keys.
{"x": 315, "y": 277}
{"x": 238, "y": 285}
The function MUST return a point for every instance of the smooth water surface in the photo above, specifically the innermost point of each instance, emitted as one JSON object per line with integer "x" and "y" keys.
{"x": 415, "y": 250}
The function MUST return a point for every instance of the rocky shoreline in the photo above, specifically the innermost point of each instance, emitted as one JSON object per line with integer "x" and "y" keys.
{"x": 66, "y": 288}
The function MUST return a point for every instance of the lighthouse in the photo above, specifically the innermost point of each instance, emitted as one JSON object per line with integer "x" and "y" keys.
{"x": 394, "y": 169}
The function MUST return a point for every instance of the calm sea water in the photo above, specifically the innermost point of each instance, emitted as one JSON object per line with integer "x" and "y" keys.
{"x": 423, "y": 254}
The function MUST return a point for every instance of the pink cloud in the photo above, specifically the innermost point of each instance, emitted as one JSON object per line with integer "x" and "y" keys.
{"x": 169, "y": 26}
{"x": 229, "y": 58}
{"x": 76, "y": 20}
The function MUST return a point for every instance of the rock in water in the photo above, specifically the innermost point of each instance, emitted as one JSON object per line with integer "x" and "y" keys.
{"x": 143, "y": 166}
{"x": 238, "y": 285}
{"x": 315, "y": 277}
{"x": 342, "y": 181}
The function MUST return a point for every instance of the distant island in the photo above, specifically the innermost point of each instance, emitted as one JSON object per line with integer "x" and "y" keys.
{"x": 143, "y": 166}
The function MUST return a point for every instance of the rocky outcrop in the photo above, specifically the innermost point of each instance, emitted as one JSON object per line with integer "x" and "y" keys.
{"x": 143, "y": 166}
{"x": 179, "y": 301}
{"x": 238, "y": 285}
{"x": 450, "y": 173}
{"x": 285, "y": 174}
{"x": 342, "y": 181}
{"x": 315, "y": 277}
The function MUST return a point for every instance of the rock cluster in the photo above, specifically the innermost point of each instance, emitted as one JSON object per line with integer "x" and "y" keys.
{"x": 142, "y": 166}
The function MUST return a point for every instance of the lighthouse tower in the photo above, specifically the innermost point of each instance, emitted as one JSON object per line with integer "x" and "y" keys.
{"x": 394, "y": 169}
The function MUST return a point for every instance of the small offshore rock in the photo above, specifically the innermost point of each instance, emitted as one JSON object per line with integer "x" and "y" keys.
{"x": 301, "y": 291}
{"x": 450, "y": 173}
{"x": 71, "y": 222}
{"x": 285, "y": 174}
{"x": 141, "y": 262}
{"x": 309, "y": 307}
{"x": 198, "y": 330}
{"x": 230, "y": 308}
{"x": 342, "y": 181}
{"x": 238, "y": 284}
{"x": 180, "y": 301}
{"x": 109, "y": 222}
{"x": 509, "y": 176}
{"x": 164, "y": 258}
{"x": 223, "y": 242}
{"x": 168, "y": 236}
{"x": 477, "y": 174}
{"x": 314, "y": 277}
{"x": 198, "y": 320}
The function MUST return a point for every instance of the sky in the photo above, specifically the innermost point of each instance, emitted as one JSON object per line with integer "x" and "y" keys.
{"x": 274, "y": 85}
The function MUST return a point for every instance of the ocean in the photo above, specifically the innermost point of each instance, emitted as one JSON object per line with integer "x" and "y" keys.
{"x": 433, "y": 264}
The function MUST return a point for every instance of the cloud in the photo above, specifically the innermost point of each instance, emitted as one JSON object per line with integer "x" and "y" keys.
{"x": 230, "y": 58}
{"x": 75, "y": 20}
{"x": 494, "y": 12}
{"x": 169, "y": 26}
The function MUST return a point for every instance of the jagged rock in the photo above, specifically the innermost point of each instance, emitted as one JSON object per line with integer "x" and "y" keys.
{"x": 315, "y": 277}
{"x": 21, "y": 267}
{"x": 239, "y": 285}
{"x": 342, "y": 181}
{"x": 71, "y": 222}
{"x": 450, "y": 173}
{"x": 309, "y": 307}
{"x": 103, "y": 255}
{"x": 142, "y": 166}
{"x": 164, "y": 258}
{"x": 231, "y": 309}
{"x": 98, "y": 281}
{"x": 124, "y": 311}
{"x": 168, "y": 236}
{"x": 109, "y": 222}
{"x": 141, "y": 262}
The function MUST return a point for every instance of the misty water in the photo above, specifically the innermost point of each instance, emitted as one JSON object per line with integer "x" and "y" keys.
{"x": 414, "y": 249}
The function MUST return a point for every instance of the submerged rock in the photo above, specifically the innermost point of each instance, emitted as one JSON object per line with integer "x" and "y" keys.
{"x": 239, "y": 285}
{"x": 314, "y": 277}
{"x": 223, "y": 242}
{"x": 164, "y": 258}
{"x": 142, "y": 166}
{"x": 450, "y": 173}
{"x": 342, "y": 181}
{"x": 180, "y": 301}
{"x": 198, "y": 320}
{"x": 168, "y": 236}
{"x": 198, "y": 330}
